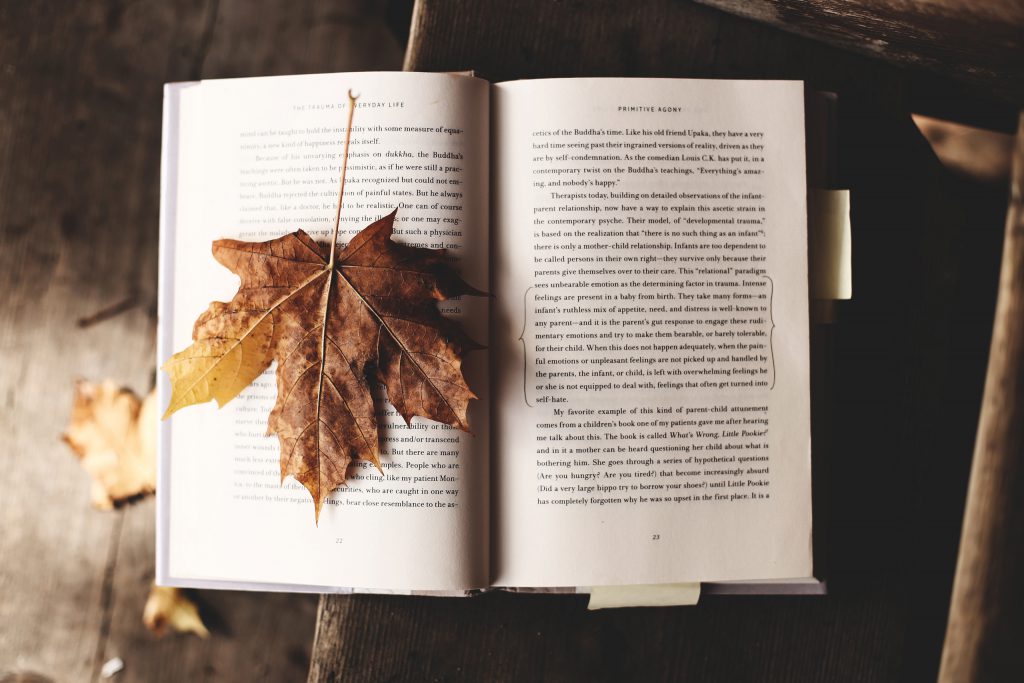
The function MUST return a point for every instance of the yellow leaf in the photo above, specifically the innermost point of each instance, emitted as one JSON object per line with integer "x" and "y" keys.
{"x": 232, "y": 348}
{"x": 169, "y": 607}
{"x": 114, "y": 437}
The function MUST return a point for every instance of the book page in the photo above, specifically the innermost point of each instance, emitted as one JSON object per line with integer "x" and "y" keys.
{"x": 652, "y": 393}
{"x": 254, "y": 159}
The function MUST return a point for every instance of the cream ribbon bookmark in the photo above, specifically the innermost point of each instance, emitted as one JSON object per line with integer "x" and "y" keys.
{"x": 658, "y": 595}
{"x": 829, "y": 241}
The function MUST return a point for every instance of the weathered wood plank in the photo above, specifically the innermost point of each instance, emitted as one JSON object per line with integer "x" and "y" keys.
{"x": 80, "y": 117}
{"x": 504, "y": 637}
{"x": 77, "y": 155}
{"x": 267, "y": 38}
{"x": 666, "y": 38}
{"x": 977, "y": 43}
{"x": 986, "y": 617}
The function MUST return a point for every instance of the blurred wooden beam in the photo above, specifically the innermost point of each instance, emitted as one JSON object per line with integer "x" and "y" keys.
{"x": 977, "y": 43}
{"x": 986, "y": 617}
{"x": 682, "y": 38}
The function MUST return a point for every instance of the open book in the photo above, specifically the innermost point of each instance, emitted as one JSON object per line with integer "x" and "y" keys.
{"x": 644, "y": 403}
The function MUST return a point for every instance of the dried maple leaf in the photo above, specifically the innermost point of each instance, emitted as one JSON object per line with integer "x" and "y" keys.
{"x": 328, "y": 323}
{"x": 171, "y": 607}
{"x": 114, "y": 436}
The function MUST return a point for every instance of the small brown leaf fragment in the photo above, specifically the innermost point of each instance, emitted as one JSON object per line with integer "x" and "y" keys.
{"x": 331, "y": 325}
{"x": 114, "y": 436}
{"x": 169, "y": 607}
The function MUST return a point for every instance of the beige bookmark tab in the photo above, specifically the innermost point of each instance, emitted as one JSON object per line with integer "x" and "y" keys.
{"x": 829, "y": 243}
{"x": 659, "y": 595}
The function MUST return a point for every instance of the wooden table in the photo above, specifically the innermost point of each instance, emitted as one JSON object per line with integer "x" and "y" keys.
{"x": 80, "y": 116}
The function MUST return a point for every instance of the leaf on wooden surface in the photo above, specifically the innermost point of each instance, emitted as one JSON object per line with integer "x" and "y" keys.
{"x": 330, "y": 323}
{"x": 171, "y": 608}
{"x": 114, "y": 436}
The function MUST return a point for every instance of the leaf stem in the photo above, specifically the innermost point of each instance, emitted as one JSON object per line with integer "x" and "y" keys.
{"x": 344, "y": 167}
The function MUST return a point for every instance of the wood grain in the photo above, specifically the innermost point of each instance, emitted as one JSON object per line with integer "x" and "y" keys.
{"x": 80, "y": 117}
{"x": 73, "y": 136}
{"x": 505, "y": 637}
{"x": 986, "y": 618}
{"x": 977, "y": 43}
{"x": 670, "y": 38}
